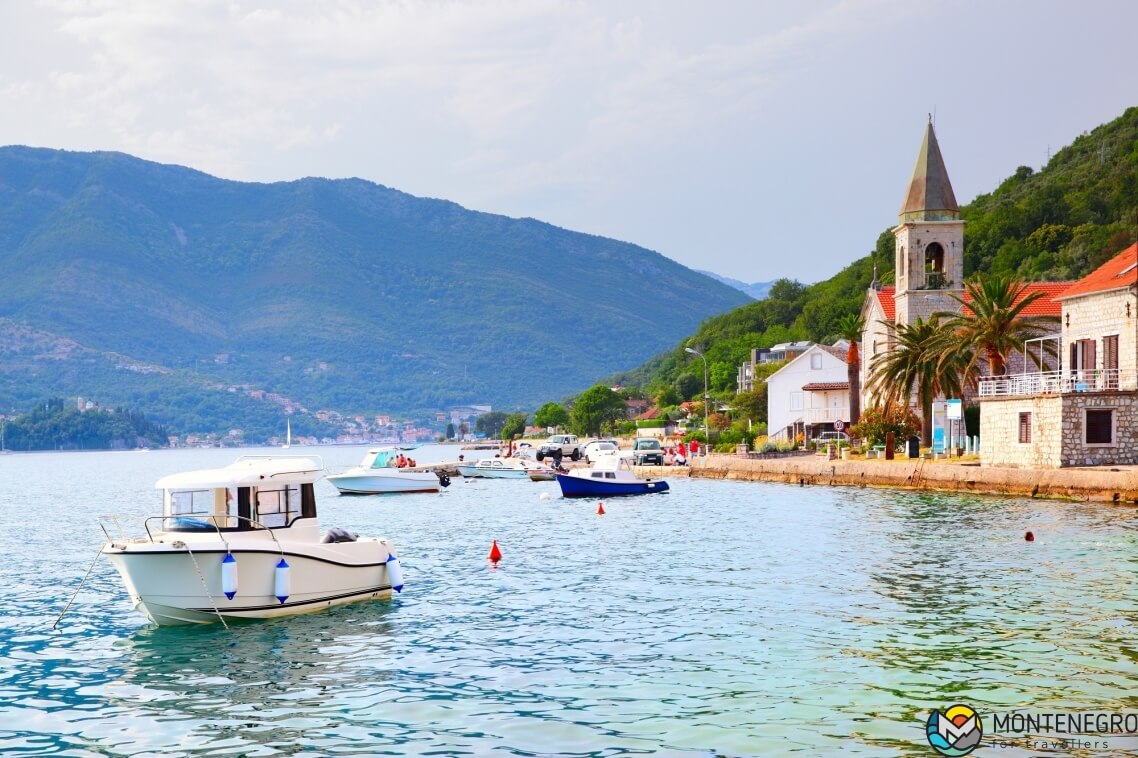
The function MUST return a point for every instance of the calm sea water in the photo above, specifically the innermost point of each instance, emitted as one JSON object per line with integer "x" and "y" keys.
{"x": 722, "y": 618}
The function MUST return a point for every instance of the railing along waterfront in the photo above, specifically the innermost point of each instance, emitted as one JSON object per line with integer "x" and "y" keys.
{"x": 1058, "y": 382}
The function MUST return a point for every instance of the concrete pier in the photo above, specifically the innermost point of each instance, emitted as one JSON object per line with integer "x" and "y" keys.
{"x": 1110, "y": 484}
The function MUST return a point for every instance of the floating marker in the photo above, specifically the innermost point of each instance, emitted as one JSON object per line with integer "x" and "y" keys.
{"x": 229, "y": 575}
{"x": 1030, "y": 537}
{"x": 280, "y": 585}
{"x": 495, "y": 553}
{"x": 394, "y": 573}
{"x": 600, "y": 509}
{"x": 543, "y": 496}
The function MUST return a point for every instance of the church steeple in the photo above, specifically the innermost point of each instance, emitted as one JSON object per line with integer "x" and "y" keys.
{"x": 930, "y": 196}
{"x": 929, "y": 240}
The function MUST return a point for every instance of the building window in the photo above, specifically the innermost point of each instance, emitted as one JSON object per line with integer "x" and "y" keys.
{"x": 816, "y": 361}
{"x": 1099, "y": 426}
{"x": 795, "y": 401}
{"x": 1025, "y": 427}
{"x": 1110, "y": 361}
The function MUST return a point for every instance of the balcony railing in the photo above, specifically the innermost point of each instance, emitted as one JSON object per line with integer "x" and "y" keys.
{"x": 1058, "y": 382}
{"x": 825, "y": 415}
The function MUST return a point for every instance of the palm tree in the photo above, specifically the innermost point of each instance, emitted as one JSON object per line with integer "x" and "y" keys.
{"x": 997, "y": 325}
{"x": 850, "y": 328}
{"x": 918, "y": 362}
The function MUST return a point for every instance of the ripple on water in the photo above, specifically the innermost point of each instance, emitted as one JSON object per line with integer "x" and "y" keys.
{"x": 733, "y": 617}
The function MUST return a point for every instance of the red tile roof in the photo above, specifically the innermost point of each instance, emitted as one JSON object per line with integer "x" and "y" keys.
{"x": 1120, "y": 271}
{"x": 825, "y": 386}
{"x": 888, "y": 304}
{"x": 1048, "y": 305}
{"x": 649, "y": 414}
{"x": 1043, "y": 306}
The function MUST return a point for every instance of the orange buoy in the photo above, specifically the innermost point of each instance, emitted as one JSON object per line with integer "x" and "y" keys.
{"x": 601, "y": 509}
{"x": 495, "y": 553}
{"x": 1030, "y": 537}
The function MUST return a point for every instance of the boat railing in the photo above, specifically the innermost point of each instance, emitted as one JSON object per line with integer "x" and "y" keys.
{"x": 205, "y": 519}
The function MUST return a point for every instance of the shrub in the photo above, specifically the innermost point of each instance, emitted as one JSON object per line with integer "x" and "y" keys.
{"x": 877, "y": 422}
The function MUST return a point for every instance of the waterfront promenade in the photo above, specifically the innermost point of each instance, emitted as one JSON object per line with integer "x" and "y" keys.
{"x": 1118, "y": 484}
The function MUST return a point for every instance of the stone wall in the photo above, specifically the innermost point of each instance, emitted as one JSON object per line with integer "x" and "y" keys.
{"x": 1124, "y": 449}
{"x": 999, "y": 432}
{"x": 1097, "y": 315}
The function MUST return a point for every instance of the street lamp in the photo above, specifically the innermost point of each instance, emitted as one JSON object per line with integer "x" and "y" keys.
{"x": 706, "y": 403}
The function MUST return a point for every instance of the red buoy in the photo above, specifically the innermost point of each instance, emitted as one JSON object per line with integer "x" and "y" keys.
{"x": 1029, "y": 537}
{"x": 495, "y": 553}
{"x": 601, "y": 509}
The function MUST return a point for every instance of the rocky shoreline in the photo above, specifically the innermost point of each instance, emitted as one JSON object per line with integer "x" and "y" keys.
{"x": 1114, "y": 484}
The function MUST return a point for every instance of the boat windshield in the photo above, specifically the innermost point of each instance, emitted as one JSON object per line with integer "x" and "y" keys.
{"x": 195, "y": 510}
{"x": 383, "y": 459}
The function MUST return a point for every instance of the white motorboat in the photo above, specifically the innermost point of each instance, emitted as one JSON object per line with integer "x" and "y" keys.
{"x": 506, "y": 468}
{"x": 244, "y": 542}
{"x": 378, "y": 474}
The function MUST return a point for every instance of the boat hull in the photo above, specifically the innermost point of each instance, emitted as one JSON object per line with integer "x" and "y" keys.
{"x": 385, "y": 483}
{"x": 493, "y": 473}
{"x": 172, "y": 585}
{"x": 577, "y": 486}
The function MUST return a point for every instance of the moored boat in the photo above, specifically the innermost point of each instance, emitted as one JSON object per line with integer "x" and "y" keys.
{"x": 609, "y": 476}
{"x": 506, "y": 468}
{"x": 377, "y": 474}
{"x": 244, "y": 542}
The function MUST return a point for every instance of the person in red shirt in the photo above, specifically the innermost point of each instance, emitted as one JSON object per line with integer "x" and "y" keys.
{"x": 694, "y": 448}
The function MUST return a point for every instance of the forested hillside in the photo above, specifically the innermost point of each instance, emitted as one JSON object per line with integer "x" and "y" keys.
{"x": 192, "y": 298}
{"x": 1055, "y": 224}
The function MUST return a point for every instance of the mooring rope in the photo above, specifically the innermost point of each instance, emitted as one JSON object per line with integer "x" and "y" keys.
{"x": 77, "y": 589}
{"x": 204, "y": 585}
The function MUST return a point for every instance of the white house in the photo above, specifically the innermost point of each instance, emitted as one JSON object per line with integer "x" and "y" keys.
{"x": 809, "y": 393}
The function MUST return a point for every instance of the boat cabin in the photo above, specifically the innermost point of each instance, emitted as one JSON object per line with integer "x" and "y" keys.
{"x": 252, "y": 493}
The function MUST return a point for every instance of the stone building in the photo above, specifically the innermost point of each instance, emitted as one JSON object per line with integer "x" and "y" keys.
{"x": 1085, "y": 412}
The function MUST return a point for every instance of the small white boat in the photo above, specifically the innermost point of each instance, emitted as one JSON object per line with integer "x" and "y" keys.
{"x": 244, "y": 542}
{"x": 506, "y": 468}
{"x": 377, "y": 474}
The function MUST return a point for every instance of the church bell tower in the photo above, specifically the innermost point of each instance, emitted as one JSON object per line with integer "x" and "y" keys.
{"x": 930, "y": 240}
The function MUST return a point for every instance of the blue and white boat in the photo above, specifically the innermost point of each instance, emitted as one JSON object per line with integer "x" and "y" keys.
{"x": 609, "y": 476}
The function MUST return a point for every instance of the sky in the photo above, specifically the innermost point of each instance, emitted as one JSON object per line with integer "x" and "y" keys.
{"x": 756, "y": 139}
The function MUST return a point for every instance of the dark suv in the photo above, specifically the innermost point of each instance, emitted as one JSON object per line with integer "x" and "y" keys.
{"x": 646, "y": 451}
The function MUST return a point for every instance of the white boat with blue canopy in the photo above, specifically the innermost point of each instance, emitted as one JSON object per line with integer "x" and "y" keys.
{"x": 378, "y": 474}
{"x": 244, "y": 542}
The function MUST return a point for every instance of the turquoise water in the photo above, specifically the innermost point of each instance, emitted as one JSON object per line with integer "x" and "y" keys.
{"x": 722, "y": 618}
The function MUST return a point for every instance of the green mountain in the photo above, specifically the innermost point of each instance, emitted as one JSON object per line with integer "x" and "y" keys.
{"x": 192, "y": 299}
{"x": 1059, "y": 223}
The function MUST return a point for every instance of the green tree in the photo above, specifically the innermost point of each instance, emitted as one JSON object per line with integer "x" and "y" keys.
{"x": 752, "y": 405}
{"x": 551, "y": 415}
{"x": 689, "y": 385}
{"x": 917, "y": 364}
{"x": 850, "y": 328}
{"x": 993, "y": 323}
{"x": 514, "y": 426}
{"x": 596, "y": 407}
{"x": 490, "y": 423}
{"x": 450, "y": 430}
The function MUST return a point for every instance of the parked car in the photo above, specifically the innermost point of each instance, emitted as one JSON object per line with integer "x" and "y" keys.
{"x": 828, "y": 437}
{"x": 597, "y": 448}
{"x": 560, "y": 445}
{"x": 647, "y": 451}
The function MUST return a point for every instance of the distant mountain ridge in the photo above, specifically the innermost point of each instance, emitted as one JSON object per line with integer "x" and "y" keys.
{"x": 757, "y": 290}
{"x": 339, "y": 294}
